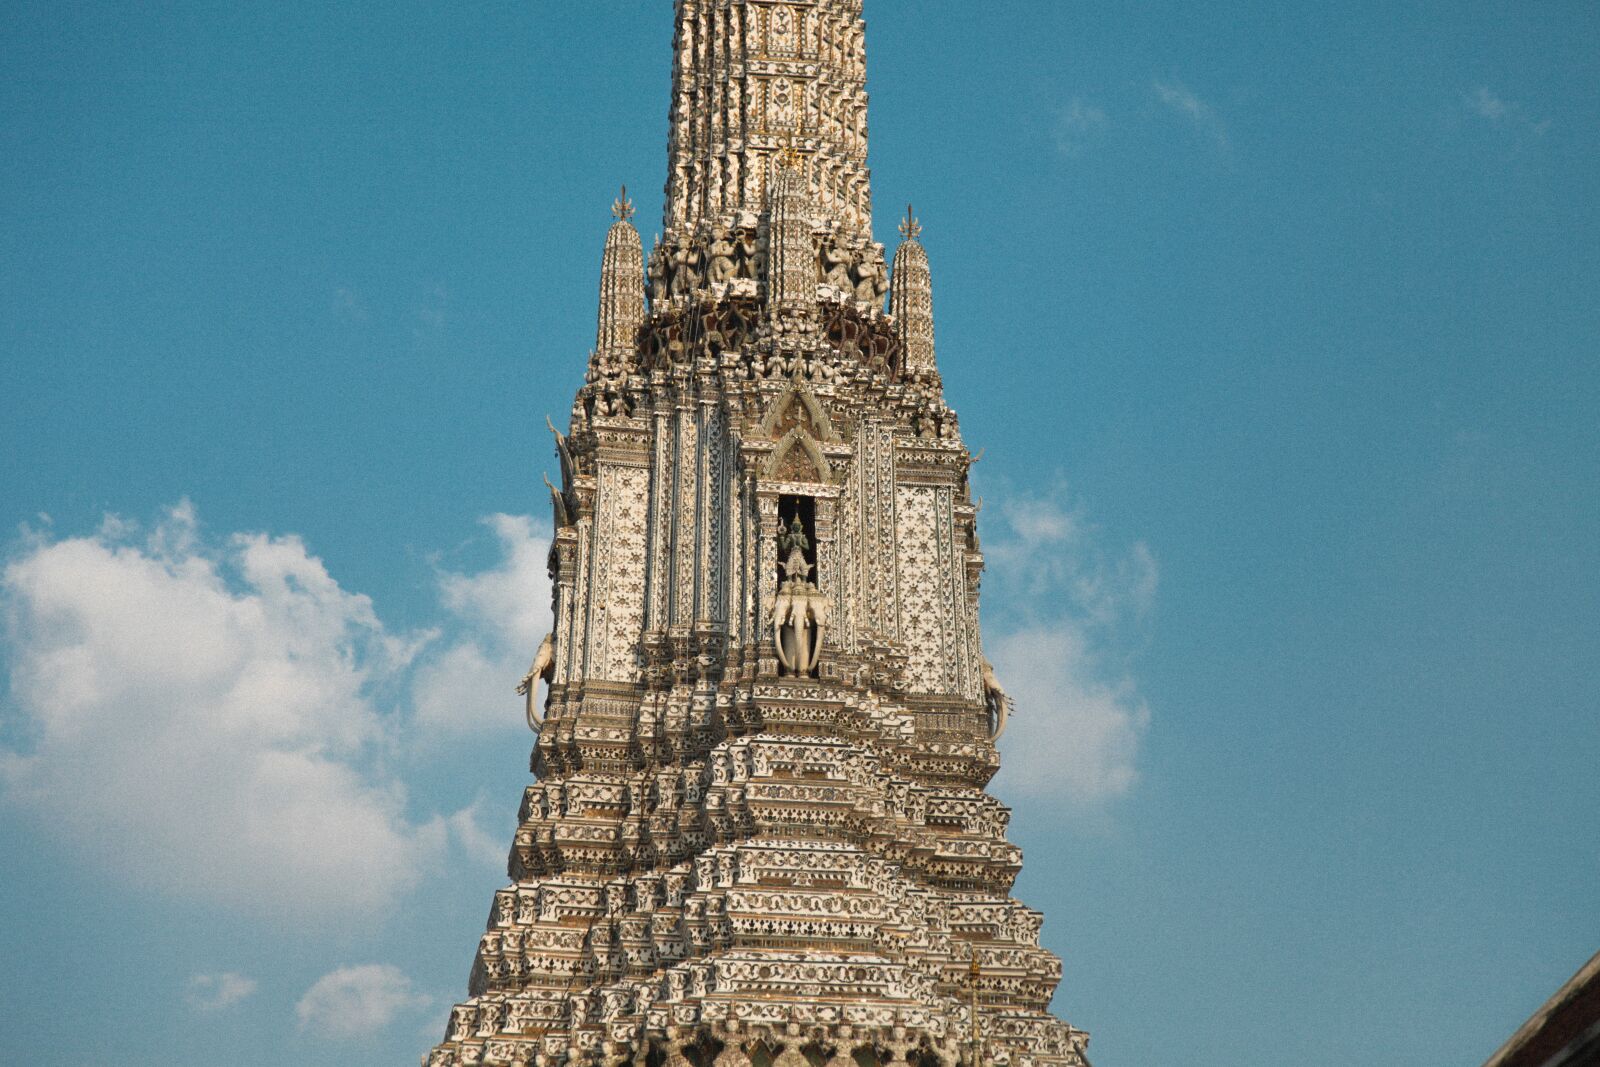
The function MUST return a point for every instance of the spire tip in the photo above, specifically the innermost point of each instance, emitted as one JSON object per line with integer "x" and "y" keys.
{"x": 910, "y": 229}
{"x": 622, "y": 207}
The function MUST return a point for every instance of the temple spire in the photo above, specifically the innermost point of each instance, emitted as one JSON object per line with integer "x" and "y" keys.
{"x": 911, "y": 298}
{"x": 752, "y": 79}
{"x": 766, "y": 723}
{"x": 792, "y": 267}
{"x": 621, "y": 289}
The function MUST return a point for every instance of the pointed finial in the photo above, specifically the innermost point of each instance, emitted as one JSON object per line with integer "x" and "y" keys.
{"x": 622, "y": 207}
{"x": 789, "y": 159}
{"x": 910, "y": 229}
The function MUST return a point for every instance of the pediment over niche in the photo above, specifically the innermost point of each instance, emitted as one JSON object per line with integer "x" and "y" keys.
{"x": 798, "y": 458}
{"x": 797, "y": 408}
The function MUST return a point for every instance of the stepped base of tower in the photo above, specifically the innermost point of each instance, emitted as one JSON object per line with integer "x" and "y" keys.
{"x": 759, "y": 898}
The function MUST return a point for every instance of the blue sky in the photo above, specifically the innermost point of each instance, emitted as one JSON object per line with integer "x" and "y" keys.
{"x": 1277, "y": 323}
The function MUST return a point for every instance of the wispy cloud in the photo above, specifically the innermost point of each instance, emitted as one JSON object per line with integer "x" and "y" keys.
{"x": 1185, "y": 102}
{"x": 489, "y": 849}
{"x": 219, "y": 717}
{"x": 497, "y": 618}
{"x": 1076, "y": 124}
{"x": 1063, "y": 651}
{"x": 357, "y": 1002}
{"x": 216, "y": 992}
{"x": 1504, "y": 114}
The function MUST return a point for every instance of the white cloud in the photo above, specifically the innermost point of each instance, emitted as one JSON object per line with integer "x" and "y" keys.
{"x": 1079, "y": 719}
{"x": 1487, "y": 104}
{"x": 1201, "y": 115}
{"x": 489, "y": 849}
{"x": 355, "y": 1002}
{"x": 500, "y": 617}
{"x": 1505, "y": 114}
{"x": 219, "y": 719}
{"x": 215, "y": 992}
{"x": 1075, "y": 737}
{"x": 1075, "y": 123}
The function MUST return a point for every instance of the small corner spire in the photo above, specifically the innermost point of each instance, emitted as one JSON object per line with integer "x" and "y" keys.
{"x": 622, "y": 207}
{"x": 910, "y": 228}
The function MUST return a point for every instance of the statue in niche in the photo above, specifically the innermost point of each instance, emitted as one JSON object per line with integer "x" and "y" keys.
{"x": 722, "y": 251}
{"x": 544, "y": 667}
{"x": 795, "y": 542}
{"x": 800, "y": 612}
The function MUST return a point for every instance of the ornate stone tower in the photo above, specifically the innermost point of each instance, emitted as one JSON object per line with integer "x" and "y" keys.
{"x": 759, "y": 835}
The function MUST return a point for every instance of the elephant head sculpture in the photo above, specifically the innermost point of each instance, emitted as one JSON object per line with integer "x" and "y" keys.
{"x": 799, "y": 619}
{"x": 544, "y": 667}
{"x": 997, "y": 700}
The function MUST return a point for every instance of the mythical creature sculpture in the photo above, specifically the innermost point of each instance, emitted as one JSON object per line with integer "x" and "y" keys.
{"x": 558, "y": 505}
{"x": 999, "y": 702}
{"x": 800, "y": 611}
{"x": 569, "y": 470}
{"x": 544, "y": 666}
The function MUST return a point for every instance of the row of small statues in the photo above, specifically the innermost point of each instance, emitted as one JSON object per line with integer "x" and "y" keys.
{"x": 682, "y": 265}
{"x": 784, "y": 365}
{"x": 935, "y": 422}
{"x": 855, "y": 265}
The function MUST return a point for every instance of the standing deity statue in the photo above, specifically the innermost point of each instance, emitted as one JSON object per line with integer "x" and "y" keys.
{"x": 749, "y": 253}
{"x": 870, "y": 275}
{"x": 656, "y": 274}
{"x": 686, "y": 260}
{"x": 835, "y": 261}
{"x": 722, "y": 251}
{"x": 795, "y": 542}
